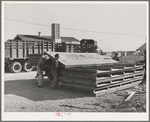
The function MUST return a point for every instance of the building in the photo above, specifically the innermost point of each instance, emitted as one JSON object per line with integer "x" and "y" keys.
{"x": 67, "y": 40}
{"x": 123, "y": 53}
{"x": 67, "y": 44}
{"x": 142, "y": 52}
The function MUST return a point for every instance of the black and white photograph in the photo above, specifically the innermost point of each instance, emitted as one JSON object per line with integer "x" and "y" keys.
{"x": 75, "y": 60}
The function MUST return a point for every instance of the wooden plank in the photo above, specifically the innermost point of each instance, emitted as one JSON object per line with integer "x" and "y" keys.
{"x": 140, "y": 65}
{"x": 118, "y": 83}
{"x": 47, "y": 47}
{"x": 114, "y": 69}
{"x": 128, "y": 67}
{"x": 102, "y": 71}
{"x": 117, "y": 71}
{"x": 79, "y": 81}
{"x": 23, "y": 50}
{"x": 112, "y": 84}
{"x": 77, "y": 75}
{"x": 130, "y": 96}
{"x": 27, "y": 48}
{"x": 17, "y": 49}
{"x": 108, "y": 83}
{"x": 11, "y": 50}
{"x": 39, "y": 44}
{"x": 82, "y": 59}
{"x": 80, "y": 70}
{"x": 104, "y": 92}
{"x": 42, "y": 47}
{"x": 33, "y": 47}
{"x": 98, "y": 80}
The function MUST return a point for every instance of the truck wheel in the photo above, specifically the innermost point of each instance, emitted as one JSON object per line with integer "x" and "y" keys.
{"x": 27, "y": 67}
{"x": 15, "y": 67}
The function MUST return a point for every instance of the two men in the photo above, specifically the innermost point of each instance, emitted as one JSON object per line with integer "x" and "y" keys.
{"x": 51, "y": 68}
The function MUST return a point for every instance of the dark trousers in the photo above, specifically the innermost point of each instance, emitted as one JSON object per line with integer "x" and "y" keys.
{"x": 49, "y": 75}
{"x": 40, "y": 77}
{"x": 54, "y": 83}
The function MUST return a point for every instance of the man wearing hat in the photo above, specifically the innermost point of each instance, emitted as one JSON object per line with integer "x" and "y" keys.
{"x": 55, "y": 68}
{"x": 116, "y": 57}
{"x": 44, "y": 60}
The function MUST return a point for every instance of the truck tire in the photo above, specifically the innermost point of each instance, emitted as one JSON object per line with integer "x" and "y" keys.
{"x": 15, "y": 67}
{"x": 27, "y": 67}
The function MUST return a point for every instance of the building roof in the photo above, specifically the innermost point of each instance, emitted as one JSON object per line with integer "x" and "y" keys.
{"x": 143, "y": 47}
{"x": 31, "y": 38}
{"x": 65, "y": 39}
{"x": 43, "y": 38}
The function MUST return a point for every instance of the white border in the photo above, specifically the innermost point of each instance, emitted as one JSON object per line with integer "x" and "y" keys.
{"x": 49, "y": 116}
{"x": 44, "y": 116}
{"x": 2, "y": 57}
{"x": 74, "y": 2}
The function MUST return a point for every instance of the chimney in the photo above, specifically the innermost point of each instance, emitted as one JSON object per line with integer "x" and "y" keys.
{"x": 39, "y": 33}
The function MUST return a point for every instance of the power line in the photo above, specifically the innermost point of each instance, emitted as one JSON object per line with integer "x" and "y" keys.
{"x": 76, "y": 29}
{"x": 28, "y": 22}
{"x": 103, "y": 32}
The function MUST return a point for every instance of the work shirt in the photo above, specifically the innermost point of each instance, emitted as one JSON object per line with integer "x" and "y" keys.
{"x": 54, "y": 66}
{"x": 42, "y": 63}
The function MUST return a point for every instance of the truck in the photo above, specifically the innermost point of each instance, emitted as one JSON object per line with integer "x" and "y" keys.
{"x": 17, "y": 50}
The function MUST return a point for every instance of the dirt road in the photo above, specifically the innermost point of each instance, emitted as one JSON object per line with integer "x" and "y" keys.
{"x": 22, "y": 95}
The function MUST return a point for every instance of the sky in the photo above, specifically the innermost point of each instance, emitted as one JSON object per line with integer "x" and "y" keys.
{"x": 116, "y": 26}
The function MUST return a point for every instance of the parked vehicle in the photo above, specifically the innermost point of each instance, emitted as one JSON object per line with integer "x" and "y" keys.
{"x": 17, "y": 51}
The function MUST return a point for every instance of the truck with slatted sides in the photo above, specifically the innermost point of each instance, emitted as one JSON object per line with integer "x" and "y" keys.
{"x": 17, "y": 51}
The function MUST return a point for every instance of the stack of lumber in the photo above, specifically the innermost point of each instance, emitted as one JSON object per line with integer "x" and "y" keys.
{"x": 103, "y": 79}
{"x": 118, "y": 79}
{"x": 79, "y": 78}
{"x": 97, "y": 74}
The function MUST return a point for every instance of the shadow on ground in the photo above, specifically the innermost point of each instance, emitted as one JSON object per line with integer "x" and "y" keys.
{"x": 29, "y": 90}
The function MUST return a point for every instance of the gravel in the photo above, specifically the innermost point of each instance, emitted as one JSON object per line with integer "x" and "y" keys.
{"x": 22, "y": 95}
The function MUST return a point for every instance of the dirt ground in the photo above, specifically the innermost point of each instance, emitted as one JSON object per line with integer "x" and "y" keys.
{"x": 22, "y": 95}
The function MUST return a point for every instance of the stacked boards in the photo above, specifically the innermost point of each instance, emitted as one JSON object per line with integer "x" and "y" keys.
{"x": 117, "y": 79}
{"x": 70, "y": 60}
{"x": 97, "y": 74}
{"x": 102, "y": 80}
{"x": 79, "y": 78}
